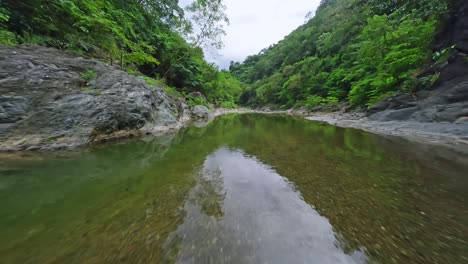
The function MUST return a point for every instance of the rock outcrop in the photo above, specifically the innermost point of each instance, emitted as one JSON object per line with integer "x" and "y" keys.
{"x": 201, "y": 112}
{"x": 447, "y": 103}
{"x": 52, "y": 100}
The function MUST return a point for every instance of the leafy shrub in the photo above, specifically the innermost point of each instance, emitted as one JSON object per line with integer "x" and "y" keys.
{"x": 172, "y": 91}
{"x": 412, "y": 84}
{"x": 153, "y": 82}
{"x": 441, "y": 57}
{"x": 328, "y": 103}
{"x": 331, "y": 101}
{"x": 358, "y": 94}
{"x": 228, "y": 105}
{"x": 7, "y": 38}
{"x": 313, "y": 101}
{"x": 88, "y": 75}
{"x": 162, "y": 84}
{"x": 193, "y": 101}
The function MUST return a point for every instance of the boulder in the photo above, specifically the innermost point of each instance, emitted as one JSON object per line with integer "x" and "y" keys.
{"x": 201, "y": 112}
{"x": 50, "y": 99}
{"x": 447, "y": 103}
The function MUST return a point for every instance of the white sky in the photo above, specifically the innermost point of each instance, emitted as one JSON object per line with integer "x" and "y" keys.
{"x": 256, "y": 24}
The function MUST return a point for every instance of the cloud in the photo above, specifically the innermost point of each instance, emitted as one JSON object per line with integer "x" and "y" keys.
{"x": 257, "y": 24}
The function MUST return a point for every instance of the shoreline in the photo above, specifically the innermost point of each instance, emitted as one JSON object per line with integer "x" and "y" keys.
{"x": 452, "y": 135}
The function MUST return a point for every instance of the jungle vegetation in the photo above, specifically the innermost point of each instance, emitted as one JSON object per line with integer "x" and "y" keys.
{"x": 158, "y": 39}
{"x": 359, "y": 51}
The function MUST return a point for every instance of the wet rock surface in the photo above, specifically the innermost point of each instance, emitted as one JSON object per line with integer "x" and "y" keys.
{"x": 54, "y": 100}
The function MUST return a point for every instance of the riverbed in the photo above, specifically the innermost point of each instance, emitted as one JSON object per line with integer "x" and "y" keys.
{"x": 247, "y": 188}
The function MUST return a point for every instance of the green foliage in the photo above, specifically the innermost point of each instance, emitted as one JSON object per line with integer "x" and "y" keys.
{"x": 160, "y": 83}
{"x": 389, "y": 53}
{"x": 360, "y": 51}
{"x": 88, "y": 75}
{"x": 441, "y": 57}
{"x": 193, "y": 101}
{"x": 172, "y": 91}
{"x": 313, "y": 101}
{"x": 153, "y": 82}
{"x": 6, "y": 37}
{"x": 30, "y": 39}
{"x": 141, "y": 36}
{"x": 210, "y": 18}
{"x": 224, "y": 90}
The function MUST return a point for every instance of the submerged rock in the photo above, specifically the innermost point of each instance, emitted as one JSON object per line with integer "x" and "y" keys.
{"x": 51, "y": 99}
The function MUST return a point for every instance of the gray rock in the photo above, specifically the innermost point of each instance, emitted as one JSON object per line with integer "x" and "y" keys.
{"x": 46, "y": 104}
{"x": 447, "y": 103}
{"x": 462, "y": 120}
{"x": 201, "y": 112}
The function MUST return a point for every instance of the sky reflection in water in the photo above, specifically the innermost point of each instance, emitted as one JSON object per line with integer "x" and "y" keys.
{"x": 242, "y": 211}
{"x": 244, "y": 189}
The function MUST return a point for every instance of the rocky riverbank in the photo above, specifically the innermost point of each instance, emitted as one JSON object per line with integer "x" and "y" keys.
{"x": 51, "y": 99}
{"x": 454, "y": 135}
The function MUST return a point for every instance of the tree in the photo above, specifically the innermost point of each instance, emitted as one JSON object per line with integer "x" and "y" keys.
{"x": 207, "y": 21}
{"x": 165, "y": 9}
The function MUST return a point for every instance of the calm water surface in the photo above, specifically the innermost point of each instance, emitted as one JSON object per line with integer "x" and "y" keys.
{"x": 244, "y": 189}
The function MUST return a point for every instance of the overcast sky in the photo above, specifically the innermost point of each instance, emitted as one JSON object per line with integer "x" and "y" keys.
{"x": 256, "y": 24}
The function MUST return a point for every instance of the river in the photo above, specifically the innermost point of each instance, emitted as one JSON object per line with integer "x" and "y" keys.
{"x": 246, "y": 188}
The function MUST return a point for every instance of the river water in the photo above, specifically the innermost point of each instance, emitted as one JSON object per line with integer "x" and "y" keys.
{"x": 243, "y": 189}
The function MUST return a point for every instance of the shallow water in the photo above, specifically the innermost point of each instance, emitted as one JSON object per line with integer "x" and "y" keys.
{"x": 244, "y": 189}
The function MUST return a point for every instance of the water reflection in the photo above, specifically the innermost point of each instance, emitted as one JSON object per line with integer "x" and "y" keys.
{"x": 242, "y": 211}
{"x": 184, "y": 198}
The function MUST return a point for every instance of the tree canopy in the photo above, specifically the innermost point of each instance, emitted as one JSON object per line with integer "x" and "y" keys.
{"x": 354, "y": 50}
{"x": 140, "y": 35}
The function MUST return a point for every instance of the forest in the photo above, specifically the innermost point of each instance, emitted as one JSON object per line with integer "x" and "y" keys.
{"x": 357, "y": 51}
{"x": 158, "y": 40}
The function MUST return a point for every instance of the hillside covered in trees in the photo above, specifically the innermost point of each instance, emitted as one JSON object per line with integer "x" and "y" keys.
{"x": 352, "y": 50}
{"x": 158, "y": 40}
{"x": 360, "y": 51}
